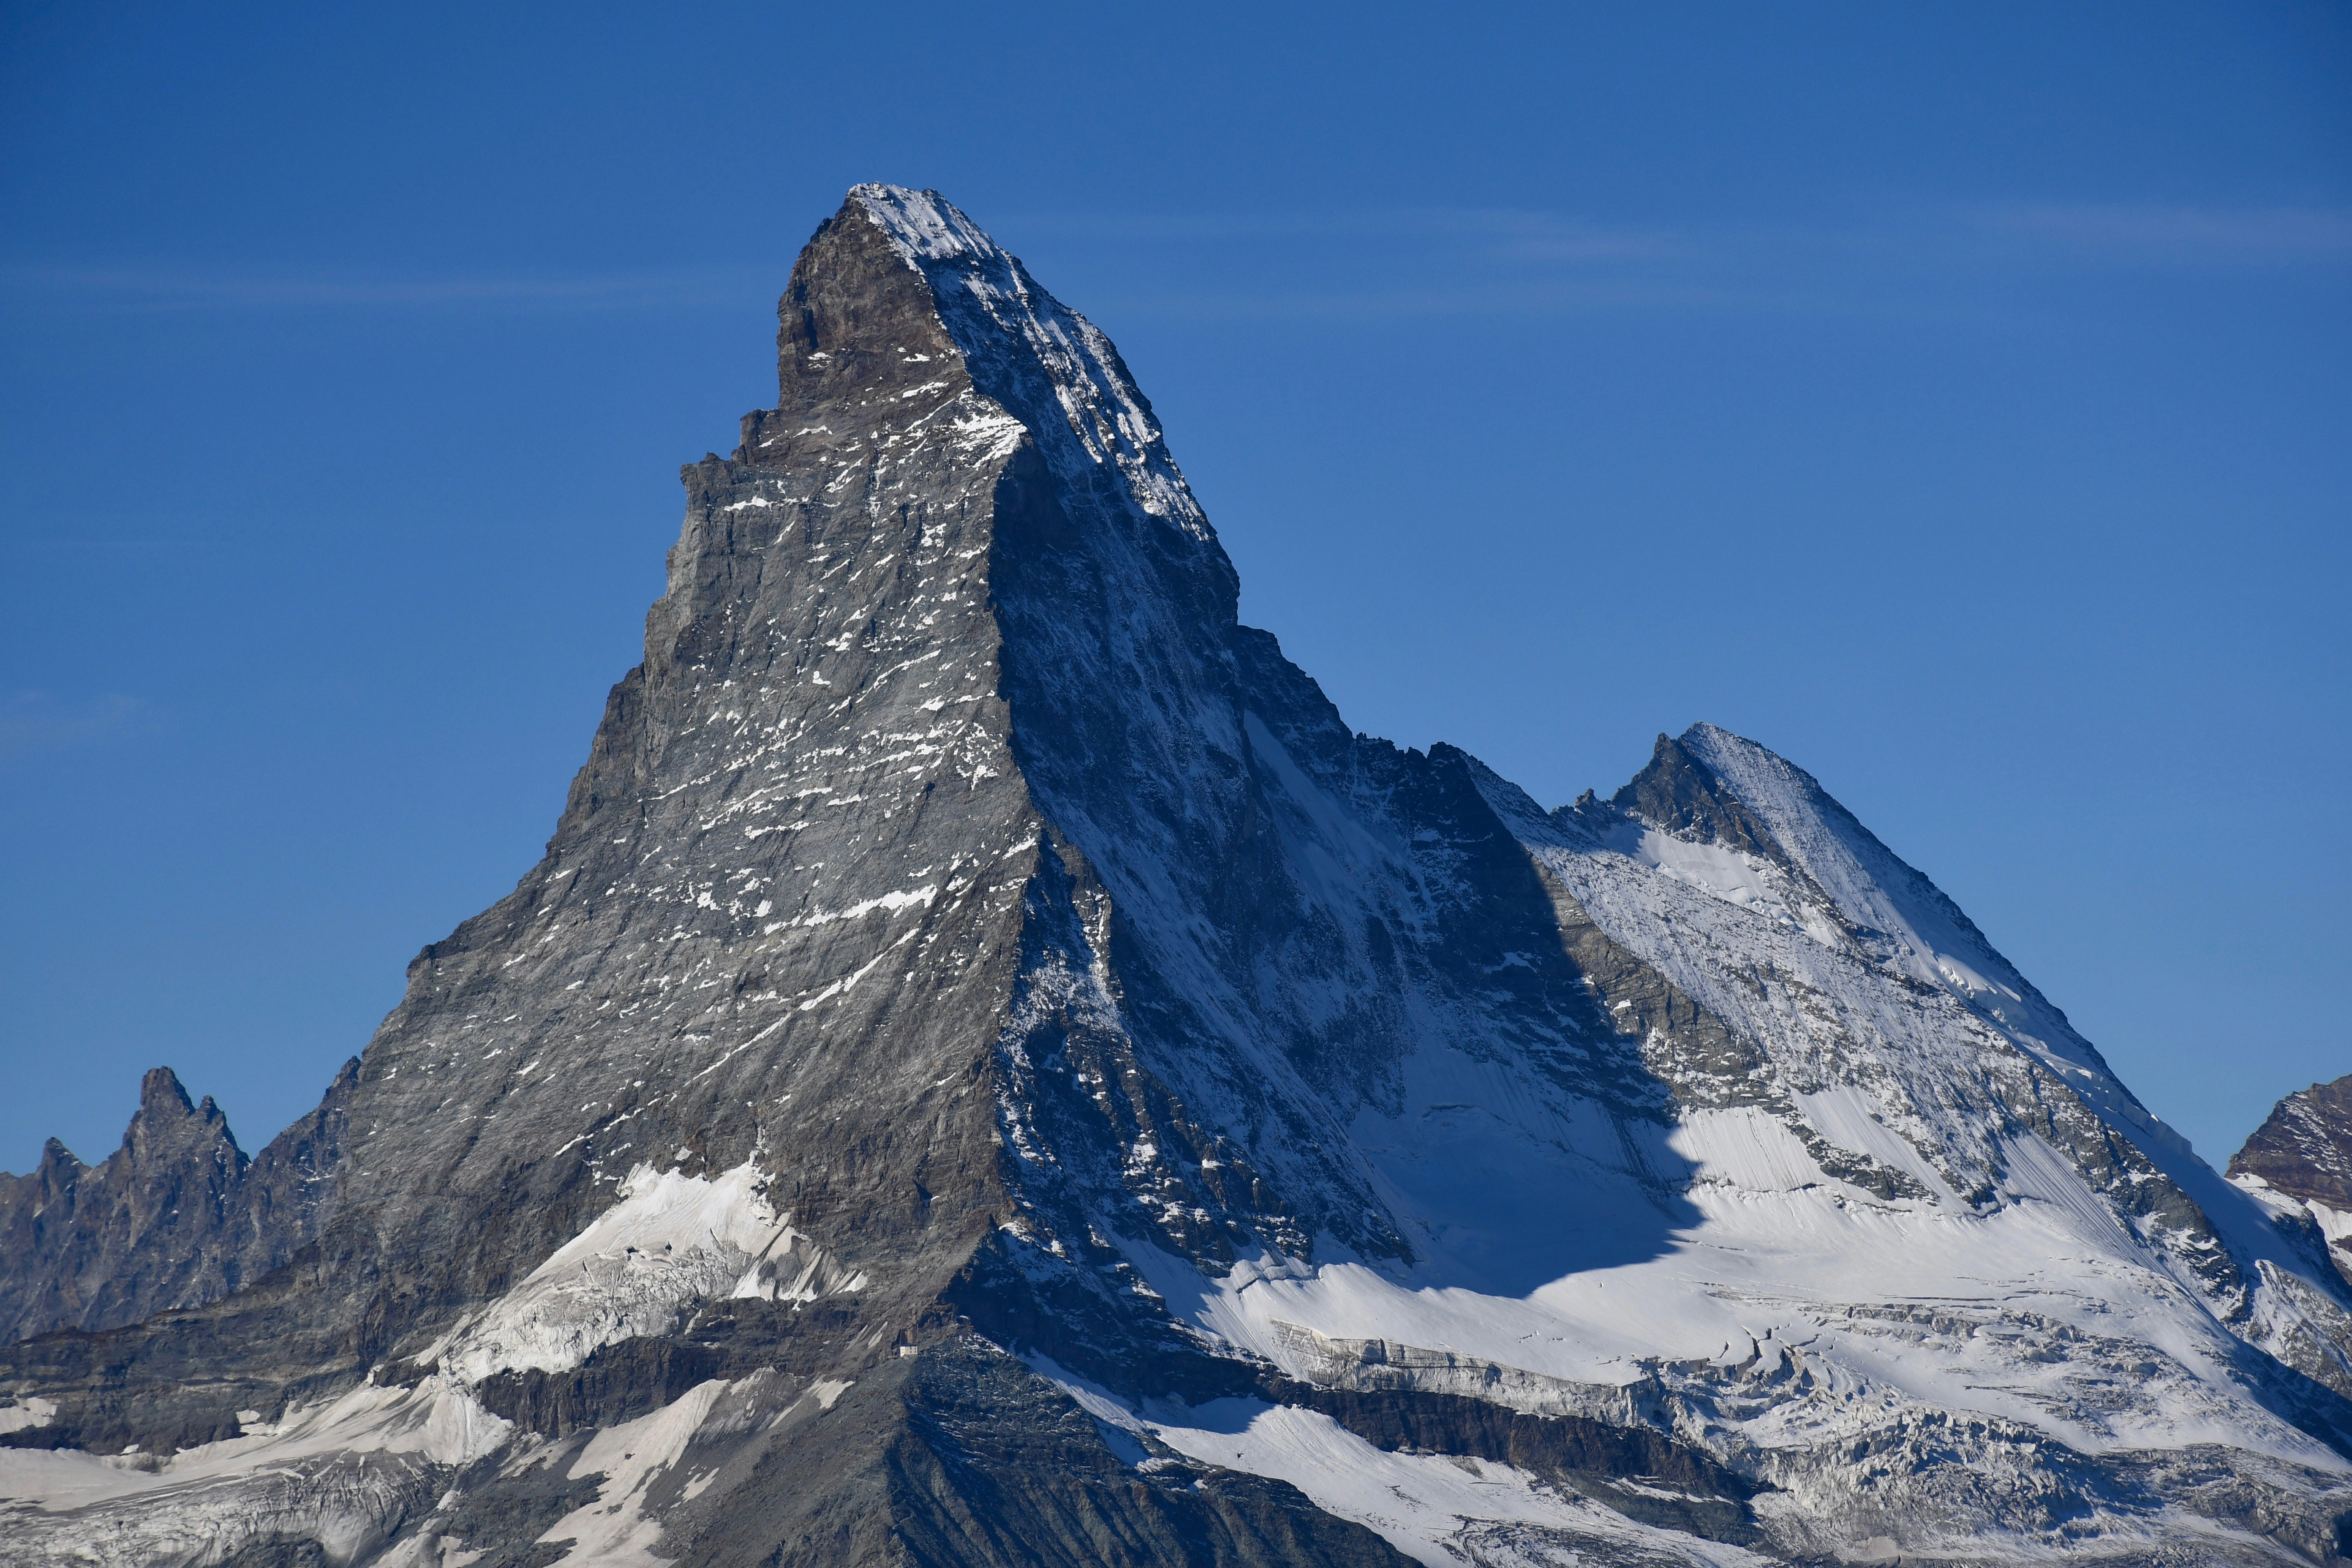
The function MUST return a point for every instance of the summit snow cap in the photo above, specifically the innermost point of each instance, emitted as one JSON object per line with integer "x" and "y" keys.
{"x": 926, "y": 226}
{"x": 1047, "y": 364}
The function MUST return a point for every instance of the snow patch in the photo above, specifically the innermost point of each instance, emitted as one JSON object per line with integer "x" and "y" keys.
{"x": 672, "y": 1239}
{"x": 614, "y": 1531}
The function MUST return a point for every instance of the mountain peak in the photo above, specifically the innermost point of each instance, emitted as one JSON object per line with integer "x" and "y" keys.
{"x": 168, "y": 1117}
{"x": 2303, "y": 1149}
{"x": 925, "y": 226}
{"x": 1680, "y": 793}
{"x": 160, "y": 1090}
{"x": 1045, "y": 362}
{"x": 991, "y": 1066}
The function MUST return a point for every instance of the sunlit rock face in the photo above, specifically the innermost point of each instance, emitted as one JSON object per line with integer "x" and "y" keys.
{"x": 992, "y": 1070}
{"x": 2302, "y": 1153}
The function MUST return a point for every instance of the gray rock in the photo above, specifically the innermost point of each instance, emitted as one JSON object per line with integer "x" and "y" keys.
{"x": 2304, "y": 1148}
{"x": 2303, "y": 1151}
{"x": 970, "y": 962}
{"x": 175, "y": 1217}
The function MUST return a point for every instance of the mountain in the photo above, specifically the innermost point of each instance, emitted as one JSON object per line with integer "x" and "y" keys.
{"x": 2302, "y": 1154}
{"x": 175, "y": 1217}
{"x": 992, "y": 1070}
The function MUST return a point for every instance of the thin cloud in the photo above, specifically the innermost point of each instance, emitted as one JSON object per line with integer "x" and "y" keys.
{"x": 1528, "y": 226}
{"x": 1385, "y": 263}
{"x": 35, "y": 724}
{"x": 1524, "y": 299}
{"x": 2120, "y": 230}
{"x": 168, "y": 288}
{"x": 2176, "y": 235}
{"x": 1478, "y": 261}
{"x": 84, "y": 544}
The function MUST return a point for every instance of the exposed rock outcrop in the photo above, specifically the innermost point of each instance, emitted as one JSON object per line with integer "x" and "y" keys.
{"x": 2302, "y": 1152}
{"x": 177, "y": 1216}
{"x": 2304, "y": 1148}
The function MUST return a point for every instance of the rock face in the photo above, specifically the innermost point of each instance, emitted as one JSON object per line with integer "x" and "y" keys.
{"x": 175, "y": 1217}
{"x": 992, "y": 1070}
{"x": 2302, "y": 1152}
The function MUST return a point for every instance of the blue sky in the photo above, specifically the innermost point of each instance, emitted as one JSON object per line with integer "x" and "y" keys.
{"x": 1953, "y": 398}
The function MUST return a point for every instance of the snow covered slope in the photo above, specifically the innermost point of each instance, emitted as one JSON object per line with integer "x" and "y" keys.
{"x": 992, "y": 1070}
{"x": 1931, "y": 1271}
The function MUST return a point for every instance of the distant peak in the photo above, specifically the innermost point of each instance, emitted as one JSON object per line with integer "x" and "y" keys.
{"x": 166, "y": 1106}
{"x": 1725, "y": 753}
{"x": 2304, "y": 1148}
{"x": 160, "y": 1090}
{"x": 1680, "y": 793}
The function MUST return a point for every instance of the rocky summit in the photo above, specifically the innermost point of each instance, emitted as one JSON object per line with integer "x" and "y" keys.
{"x": 2303, "y": 1154}
{"x": 993, "y": 1070}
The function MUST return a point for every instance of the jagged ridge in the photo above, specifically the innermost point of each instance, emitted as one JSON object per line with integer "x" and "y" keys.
{"x": 177, "y": 1216}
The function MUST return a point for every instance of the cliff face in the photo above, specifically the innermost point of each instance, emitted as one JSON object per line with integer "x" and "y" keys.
{"x": 990, "y": 1068}
{"x": 175, "y": 1217}
{"x": 2302, "y": 1152}
{"x": 2304, "y": 1148}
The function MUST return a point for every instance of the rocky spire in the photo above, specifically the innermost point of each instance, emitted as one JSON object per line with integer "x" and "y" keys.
{"x": 178, "y": 1216}
{"x": 142, "y": 1232}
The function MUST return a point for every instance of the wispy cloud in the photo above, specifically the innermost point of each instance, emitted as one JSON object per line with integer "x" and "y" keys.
{"x": 35, "y": 724}
{"x": 1494, "y": 224}
{"x": 164, "y": 287}
{"x": 2315, "y": 234}
{"x": 172, "y": 546}
{"x": 2176, "y": 235}
{"x": 1477, "y": 261}
{"x": 1531, "y": 297}
{"x": 1374, "y": 263}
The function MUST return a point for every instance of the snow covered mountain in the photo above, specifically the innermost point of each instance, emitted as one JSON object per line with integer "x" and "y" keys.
{"x": 992, "y": 1070}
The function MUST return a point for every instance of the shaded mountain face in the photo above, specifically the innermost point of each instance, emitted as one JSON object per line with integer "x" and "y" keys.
{"x": 175, "y": 1217}
{"x": 992, "y": 1069}
{"x": 2302, "y": 1152}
